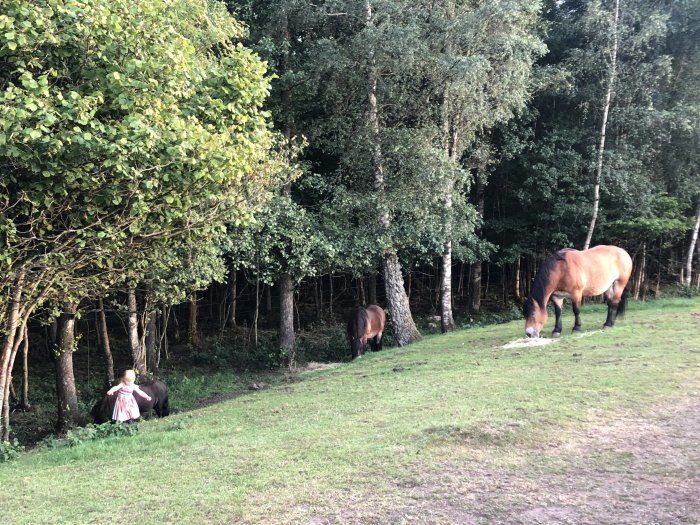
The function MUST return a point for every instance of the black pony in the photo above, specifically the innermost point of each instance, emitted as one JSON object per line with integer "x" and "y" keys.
{"x": 103, "y": 409}
{"x": 365, "y": 324}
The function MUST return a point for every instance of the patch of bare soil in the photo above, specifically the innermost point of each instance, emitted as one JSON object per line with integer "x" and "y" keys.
{"x": 637, "y": 469}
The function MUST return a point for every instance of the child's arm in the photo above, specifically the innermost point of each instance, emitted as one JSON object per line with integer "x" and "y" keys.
{"x": 114, "y": 388}
{"x": 141, "y": 393}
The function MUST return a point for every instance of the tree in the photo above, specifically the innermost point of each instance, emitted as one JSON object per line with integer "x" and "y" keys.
{"x": 113, "y": 137}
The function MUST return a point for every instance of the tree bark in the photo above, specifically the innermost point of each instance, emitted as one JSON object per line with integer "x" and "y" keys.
{"x": 104, "y": 342}
{"x": 372, "y": 288}
{"x": 603, "y": 127}
{"x": 286, "y": 330}
{"x": 405, "y": 330}
{"x": 24, "y": 401}
{"x": 10, "y": 334}
{"x": 193, "y": 337}
{"x": 691, "y": 247}
{"x": 475, "y": 277}
{"x": 446, "y": 319}
{"x": 233, "y": 292}
{"x": 151, "y": 341}
{"x": 9, "y": 390}
{"x": 138, "y": 355}
{"x": 67, "y": 395}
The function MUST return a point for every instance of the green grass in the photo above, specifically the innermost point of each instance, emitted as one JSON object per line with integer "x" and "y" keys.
{"x": 305, "y": 448}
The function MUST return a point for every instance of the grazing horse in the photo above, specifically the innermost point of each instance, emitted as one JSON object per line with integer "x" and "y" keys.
{"x": 103, "y": 409}
{"x": 577, "y": 274}
{"x": 366, "y": 324}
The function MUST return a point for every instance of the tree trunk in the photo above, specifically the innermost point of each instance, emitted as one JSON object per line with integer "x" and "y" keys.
{"x": 603, "y": 126}
{"x": 138, "y": 355}
{"x": 193, "y": 337}
{"x": 104, "y": 342}
{"x": 330, "y": 295}
{"x": 257, "y": 309}
{"x": 404, "y": 328}
{"x": 372, "y": 288}
{"x": 24, "y": 401}
{"x": 287, "y": 336}
{"x": 641, "y": 270}
{"x": 9, "y": 390}
{"x": 691, "y": 247}
{"x": 66, "y": 393}
{"x": 317, "y": 298}
{"x": 12, "y": 321}
{"x": 475, "y": 277}
{"x": 446, "y": 319}
{"x": 233, "y": 292}
{"x": 151, "y": 341}
{"x": 516, "y": 286}
{"x": 268, "y": 301}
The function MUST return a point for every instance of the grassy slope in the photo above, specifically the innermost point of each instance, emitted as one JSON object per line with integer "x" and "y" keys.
{"x": 307, "y": 448}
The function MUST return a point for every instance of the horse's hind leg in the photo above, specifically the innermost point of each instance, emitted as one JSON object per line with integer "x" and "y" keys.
{"x": 613, "y": 297}
{"x": 576, "y": 308}
{"x": 558, "y": 302}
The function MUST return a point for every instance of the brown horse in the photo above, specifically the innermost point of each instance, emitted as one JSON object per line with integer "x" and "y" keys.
{"x": 574, "y": 275}
{"x": 366, "y": 324}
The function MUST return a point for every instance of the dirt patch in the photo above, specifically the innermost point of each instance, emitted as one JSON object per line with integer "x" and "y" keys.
{"x": 636, "y": 469}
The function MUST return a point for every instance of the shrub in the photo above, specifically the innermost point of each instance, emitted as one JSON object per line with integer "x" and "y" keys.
{"x": 10, "y": 450}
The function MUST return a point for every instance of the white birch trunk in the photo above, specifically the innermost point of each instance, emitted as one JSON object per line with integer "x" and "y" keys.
{"x": 603, "y": 127}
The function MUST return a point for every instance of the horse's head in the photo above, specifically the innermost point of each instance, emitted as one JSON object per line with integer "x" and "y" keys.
{"x": 535, "y": 317}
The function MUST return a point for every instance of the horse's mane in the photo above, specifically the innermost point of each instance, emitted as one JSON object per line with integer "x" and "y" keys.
{"x": 539, "y": 286}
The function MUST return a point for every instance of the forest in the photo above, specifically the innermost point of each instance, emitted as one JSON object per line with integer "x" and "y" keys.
{"x": 221, "y": 182}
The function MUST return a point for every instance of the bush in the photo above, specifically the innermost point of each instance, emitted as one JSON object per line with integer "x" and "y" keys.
{"x": 10, "y": 450}
{"x": 91, "y": 432}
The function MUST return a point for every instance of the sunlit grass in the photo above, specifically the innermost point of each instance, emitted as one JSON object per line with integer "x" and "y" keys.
{"x": 299, "y": 449}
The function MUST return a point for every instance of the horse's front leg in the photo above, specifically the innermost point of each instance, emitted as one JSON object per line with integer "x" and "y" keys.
{"x": 558, "y": 302}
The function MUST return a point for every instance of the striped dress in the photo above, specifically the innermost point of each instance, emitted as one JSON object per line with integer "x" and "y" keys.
{"x": 126, "y": 408}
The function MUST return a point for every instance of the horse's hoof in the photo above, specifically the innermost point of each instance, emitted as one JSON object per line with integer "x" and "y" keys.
{"x": 556, "y": 335}
{"x": 607, "y": 326}
{"x": 576, "y": 329}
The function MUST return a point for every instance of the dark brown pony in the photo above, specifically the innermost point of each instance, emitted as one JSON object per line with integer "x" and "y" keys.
{"x": 574, "y": 275}
{"x": 103, "y": 409}
{"x": 366, "y": 324}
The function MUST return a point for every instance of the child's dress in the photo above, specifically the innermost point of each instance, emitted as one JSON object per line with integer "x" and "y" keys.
{"x": 126, "y": 408}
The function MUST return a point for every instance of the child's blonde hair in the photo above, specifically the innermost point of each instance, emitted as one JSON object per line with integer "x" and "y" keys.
{"x": 129, "y": 374}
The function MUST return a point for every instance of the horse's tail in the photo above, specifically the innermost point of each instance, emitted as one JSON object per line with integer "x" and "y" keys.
{"x": 356, "y": 329}
{"x": 623, "y": 303}
{"x": 165, "y": 407}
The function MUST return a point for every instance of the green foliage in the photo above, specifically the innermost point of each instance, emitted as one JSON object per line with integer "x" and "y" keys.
{"x": 118, "y": 136}
{"x": 666, "y": 220}
{"x": 90, "y": 432}
{"x": 10, "y": 450}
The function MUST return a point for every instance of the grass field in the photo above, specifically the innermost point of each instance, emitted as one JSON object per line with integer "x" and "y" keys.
{"x": 407, "y": 435}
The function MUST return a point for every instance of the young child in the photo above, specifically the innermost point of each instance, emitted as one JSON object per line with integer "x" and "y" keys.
{"x": 126, "y": 408}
